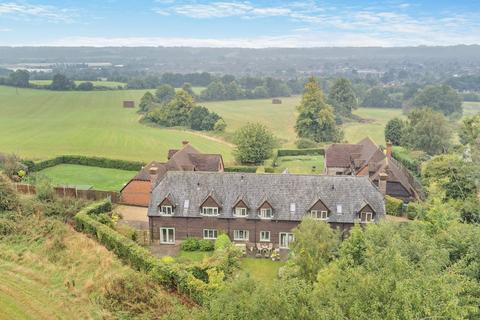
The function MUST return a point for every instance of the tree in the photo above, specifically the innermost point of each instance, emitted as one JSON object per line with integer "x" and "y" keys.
{"x": 260, "y": 92}
{"x": 174, "y": 113}
{"x": 342, "y": 97}
{"x": 85, "y": 86}
{"x": 314, "y": 246}
{"x": 146, "y": 102}
{"x": 470, "y": 135}
{"x": 214, "y": 91}
{"x": 254, "y": 142}
{"x": 202, "y": 119}
{"x": 188, "y": 88}
{"x": 427, "y": 130}
{"x": 220, "y": 125}
{"x": 394, "y": 131}
{"x": 380, "y": 98}
{"x": 164, "y": 94}
{"x": 442, "y": 99}
{"x": 19, "y": 78}
{"x": 316, "y": 120}
{"x": 61, "y": 83}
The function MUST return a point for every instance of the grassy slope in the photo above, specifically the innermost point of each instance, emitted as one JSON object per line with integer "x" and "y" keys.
{"x": 33, "y": 287}
{"x": 99, "y": 178}
{"x": 42, "y": 124}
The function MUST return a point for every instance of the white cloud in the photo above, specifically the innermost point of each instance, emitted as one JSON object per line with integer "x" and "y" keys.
{"x": 29, "y": 11}
{"x": 5, "y": 29}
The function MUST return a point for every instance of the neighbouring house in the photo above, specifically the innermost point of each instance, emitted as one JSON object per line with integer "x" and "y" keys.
{"x": 137, "y": 190}
{"x": 257, "y": 211}
{"x": 366, "y": 158}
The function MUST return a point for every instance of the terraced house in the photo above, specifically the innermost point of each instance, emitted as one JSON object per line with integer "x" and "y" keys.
{"x": 258, "y": 210}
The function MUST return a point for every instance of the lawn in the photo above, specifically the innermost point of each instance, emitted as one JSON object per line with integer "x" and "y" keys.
{"x": 98, "y": 178}
{"x": 261, "y": 269}
{"x": 301, "y": 164}
{"x": 110, "y": 84}
{"x": 41, "y": 124}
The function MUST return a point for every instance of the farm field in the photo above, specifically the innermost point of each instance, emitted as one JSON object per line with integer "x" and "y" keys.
{"x": 40, "y": 124}
{"x": 99, "y": 178}
{"x": 110, "y": 84}
{"x": 471, "y": 108}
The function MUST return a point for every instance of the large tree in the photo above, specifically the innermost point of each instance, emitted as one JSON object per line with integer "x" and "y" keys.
{"x": 19, "y": 78}
{"x": 254, "y": 142}
{"x": 428, "y": 131}
{"x": 394, "y": 131}
{"x": 342, "y": 97}
{"x": 61, "y": 82}
{"x": 442, "y": 99}
{"x": 174, "y": 113}
{"x": 165, "y": 93}
{"x": 146, "y": 102}
{"x": 316, "y": 119}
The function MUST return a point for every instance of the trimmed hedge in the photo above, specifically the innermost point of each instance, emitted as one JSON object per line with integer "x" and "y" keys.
{"x": 241, "y": 169}
{"x": 393, "y": 206}
{"x": 87, "y": 161}
{"x": 300, "y": 152}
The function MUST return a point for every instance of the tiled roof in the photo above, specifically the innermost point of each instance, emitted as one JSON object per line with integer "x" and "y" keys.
{"x": 281, "y": 190}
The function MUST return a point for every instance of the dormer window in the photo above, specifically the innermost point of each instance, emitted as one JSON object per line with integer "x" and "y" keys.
{"x": 266, "y": 213}
{"x": 166, "y": 210}
{"x": 319, "y": 214}
{"x": 241, "y": 212}
{"x": 366, "y": 216}
{"x": 210, "y": 211}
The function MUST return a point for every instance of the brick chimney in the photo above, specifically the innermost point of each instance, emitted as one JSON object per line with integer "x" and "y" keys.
{"x": 388, "y": 152}
{"x": 382, "y": 182}
{"x": 185, "y": 142}
{"x": 153, "y": 171}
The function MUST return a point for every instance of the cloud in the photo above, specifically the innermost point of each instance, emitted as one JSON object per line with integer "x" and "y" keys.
{"x": 29, "y": 11}
{"x": 5, "y": 30}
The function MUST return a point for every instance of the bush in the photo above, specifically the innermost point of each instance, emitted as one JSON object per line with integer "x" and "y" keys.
{"x": 269, "y": 170}
{"x": 245, "y": 169}
{"x": 190, "y": 244}
{"x": 304, "y": 143}
{"x": 393, "y": 206}
{"x": 300, "y": 152}
{"x": 8, "y": 197}
{"x": 44, "y": 189}
{"x": 222, "y": 242}
{"x": 206, "y": 245}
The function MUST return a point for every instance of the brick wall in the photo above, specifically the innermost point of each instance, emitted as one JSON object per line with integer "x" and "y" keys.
{"x": 137, "y": 193}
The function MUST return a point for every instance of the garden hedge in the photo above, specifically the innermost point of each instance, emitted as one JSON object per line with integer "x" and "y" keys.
{"x": 169, "y": 275}
{"x": 300, "y": 152}
{"x": 393, "y": 206}
{"x": 87, "y": 161}
{"x": 241, "y": 169}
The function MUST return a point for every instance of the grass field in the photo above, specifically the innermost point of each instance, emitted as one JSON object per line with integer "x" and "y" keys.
{"x": 471, "y": 108}
{"x": 40, "y": 124}
{"x": 110, "y": 84}
{"x": 98, "y": 178}
{"x": 261, "y": 269}
{"x": 300, "y": 164}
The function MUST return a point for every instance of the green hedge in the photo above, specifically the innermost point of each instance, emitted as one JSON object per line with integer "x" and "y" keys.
{"x": 241, "y": 169}
{"x": 88, "y": 161}
{"x": 393, "y": 206}
{"x": 170, "y": 275}
{"x": 300, "y": 152}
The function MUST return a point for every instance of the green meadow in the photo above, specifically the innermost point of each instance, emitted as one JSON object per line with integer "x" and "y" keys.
{"x": 110, "y": 84}
{"x": 40, "y": 124}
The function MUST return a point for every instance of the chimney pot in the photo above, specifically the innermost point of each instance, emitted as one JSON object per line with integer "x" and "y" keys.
{"x": 153, "y": 170}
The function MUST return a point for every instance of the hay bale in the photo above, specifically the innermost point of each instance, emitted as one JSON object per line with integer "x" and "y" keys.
{"x": 129, "y": 104}
{"x": 276, "y": 101}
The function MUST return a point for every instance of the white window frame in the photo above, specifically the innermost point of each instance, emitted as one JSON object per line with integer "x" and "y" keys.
{"x": 319, "y": 215}
{"x": 241, "y": 209}
{"x": 245, "y": 233}
{"x": 368, "y": 216}
{"x": 170, "y": 238}
{"x": 163, "y": 213}
{"x": 289, "y": 238}
{"x": 210, "y": 234}
{"x": 214, "y": 210}
{"x": 263, "y": 212}
{"x": 263, "y": 238}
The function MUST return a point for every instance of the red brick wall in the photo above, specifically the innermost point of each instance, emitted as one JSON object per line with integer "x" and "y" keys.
{"x": 137, "y": 193}
{"x": 193, "y": 227}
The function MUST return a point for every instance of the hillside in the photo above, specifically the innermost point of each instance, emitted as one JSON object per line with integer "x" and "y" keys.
{"x": 41, "y": 124}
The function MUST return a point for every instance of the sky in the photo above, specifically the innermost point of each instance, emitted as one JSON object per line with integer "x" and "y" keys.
{"x": 255, "y": 24}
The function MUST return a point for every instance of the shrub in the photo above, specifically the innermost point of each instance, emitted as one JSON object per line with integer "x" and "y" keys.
{"x": 304, "y": 143}
{"x": 393, "y": 206}
{"x": 8, "y": 197}
{"x": 190, "y": 244}
{"x": 88, "y": 161}
{"x": 44, "y": 189}
{"x": 127, "y": 231}
{"x": 206, "y": 245}
{"x": 269, "y": 170}
{"x": 222, "y": 242}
